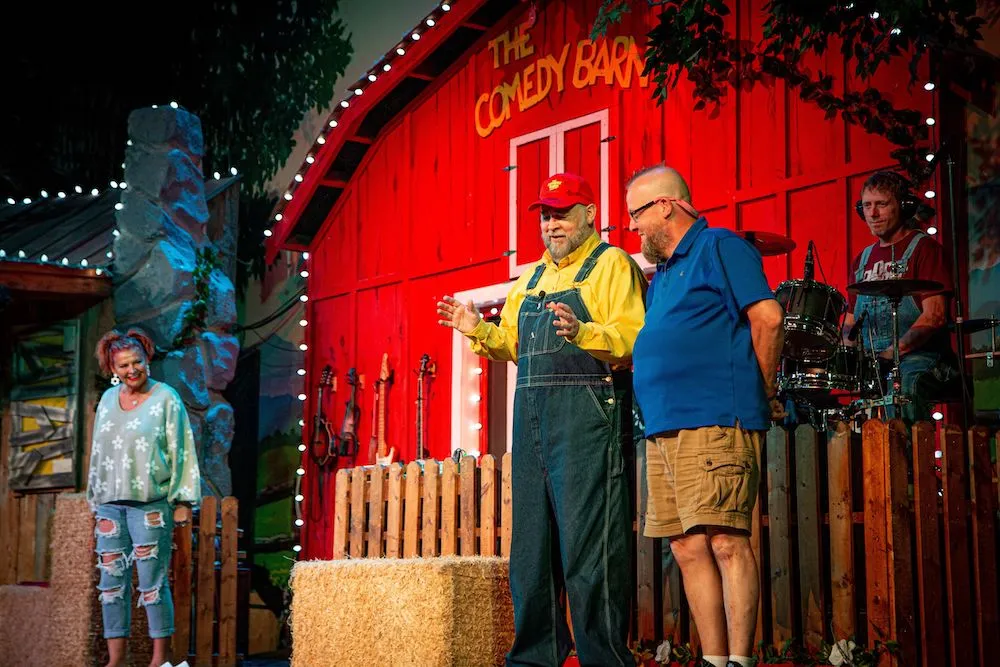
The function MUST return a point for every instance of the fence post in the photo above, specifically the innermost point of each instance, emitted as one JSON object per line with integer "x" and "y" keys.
{"x": 227, "y": 579}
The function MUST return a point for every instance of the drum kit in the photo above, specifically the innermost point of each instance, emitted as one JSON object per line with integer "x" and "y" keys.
{"x": 822, "y": 378}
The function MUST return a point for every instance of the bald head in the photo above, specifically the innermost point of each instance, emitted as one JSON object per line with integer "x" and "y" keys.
{"x": 663, "y": 180}
{"x": 660, "y": 210}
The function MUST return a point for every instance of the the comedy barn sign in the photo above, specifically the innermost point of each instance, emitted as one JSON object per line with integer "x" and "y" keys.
{"x": 586, "y": 63}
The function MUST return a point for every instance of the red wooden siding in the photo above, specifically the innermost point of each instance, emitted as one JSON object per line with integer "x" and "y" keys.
{"x": 427, "y": 212}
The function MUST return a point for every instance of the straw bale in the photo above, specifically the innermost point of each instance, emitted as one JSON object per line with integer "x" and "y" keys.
{"x": 433, "y": 612}
{"x": 25, "y": 634}
{"x": 51, "y": 626}
{"x": 74, "y": 578}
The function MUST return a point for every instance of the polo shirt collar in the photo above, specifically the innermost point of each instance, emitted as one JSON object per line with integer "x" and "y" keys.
{"x": 684, "y": 247}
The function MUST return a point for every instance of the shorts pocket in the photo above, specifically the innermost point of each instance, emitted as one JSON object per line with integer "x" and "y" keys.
{"x": 728, "y": 481}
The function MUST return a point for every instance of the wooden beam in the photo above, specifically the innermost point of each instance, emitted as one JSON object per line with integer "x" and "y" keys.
{"x": 43, "y": 279}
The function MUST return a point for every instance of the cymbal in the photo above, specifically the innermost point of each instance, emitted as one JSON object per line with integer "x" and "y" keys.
{"x": 972, "y": 326}
{"x": 897, "y": 287}
{"x": 768, "y": 243}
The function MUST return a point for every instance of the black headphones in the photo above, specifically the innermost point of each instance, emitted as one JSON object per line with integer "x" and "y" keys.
{"x": 908, "y": 202}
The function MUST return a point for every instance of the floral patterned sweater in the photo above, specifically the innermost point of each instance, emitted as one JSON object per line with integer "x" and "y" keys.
{"x": 144, "y": 454}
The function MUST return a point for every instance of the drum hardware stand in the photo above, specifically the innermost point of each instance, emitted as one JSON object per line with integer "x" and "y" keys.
{"x": 957, "y": 289}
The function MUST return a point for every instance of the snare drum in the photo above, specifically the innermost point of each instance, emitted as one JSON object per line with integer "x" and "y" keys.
{"x": 812, "y": 319}
{"x": 842, "y": 371}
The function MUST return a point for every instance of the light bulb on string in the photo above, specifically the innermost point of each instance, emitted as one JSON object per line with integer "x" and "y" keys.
{"x": 320, "y": 140}
{"x": 297, "y": 548}
{"x": 310, "y": 159}
{"x": 372, "y": 78}
{"x": 268, "y": 233}
{"x": 278, "y": 217}
{"x": 233, "y": 171}
{"x": 61, "y": 194}
{"x": 430, "y": 23}
{"x": 298, "y": 178}
{"x": 303, "y": 298}
{"x": 345, "y": 103}
{"x": 386, "y": 67}
{"x": 114, "y": 184}
{"x": 216, "y": 175}
{"x": 95, "y": 192}
{"x": 78, "y": 190}
{"x": 45, "y": 194}
{"x": 401, "y": 51}
{"x": 930, "y": 194}
{"x": 929, "y": 86}
{"x": 11, "y": 201}
{"x": 445, "y": 7}
{"x": 415, "y": 36}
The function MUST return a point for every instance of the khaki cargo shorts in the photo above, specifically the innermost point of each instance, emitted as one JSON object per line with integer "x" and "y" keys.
{"x": 699, "y": 477}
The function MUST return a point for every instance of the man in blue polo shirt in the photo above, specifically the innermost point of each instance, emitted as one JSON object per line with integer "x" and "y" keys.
{"x": 705, "y": 366}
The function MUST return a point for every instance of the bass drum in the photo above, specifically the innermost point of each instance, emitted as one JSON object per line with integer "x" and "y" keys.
{"x": 812, "y": 319}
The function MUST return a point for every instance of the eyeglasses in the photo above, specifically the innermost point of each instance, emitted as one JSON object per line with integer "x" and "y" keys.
{"x": 686, "y": 207}
{"x": 635, "y": 213}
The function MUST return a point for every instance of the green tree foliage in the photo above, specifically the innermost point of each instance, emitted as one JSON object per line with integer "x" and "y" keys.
{"x": 249, "y": 70}
{"x": 692, "y": 39}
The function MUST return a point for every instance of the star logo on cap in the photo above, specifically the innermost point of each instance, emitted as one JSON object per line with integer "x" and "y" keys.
{"x": 554, "y": 184}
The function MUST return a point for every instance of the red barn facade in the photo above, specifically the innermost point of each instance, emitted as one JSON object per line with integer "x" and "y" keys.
{"x": 420, "y": 184}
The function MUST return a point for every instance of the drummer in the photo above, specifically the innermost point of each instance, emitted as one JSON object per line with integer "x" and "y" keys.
{"x": 928, "y": 366}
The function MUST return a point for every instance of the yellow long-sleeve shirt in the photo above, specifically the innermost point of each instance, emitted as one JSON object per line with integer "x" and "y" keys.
{"x": 614, "y": 293}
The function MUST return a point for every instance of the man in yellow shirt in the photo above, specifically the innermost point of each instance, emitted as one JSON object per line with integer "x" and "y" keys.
{"x": 569, "y": 322}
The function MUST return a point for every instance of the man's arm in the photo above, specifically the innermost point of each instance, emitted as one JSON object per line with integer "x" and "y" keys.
{"x": 932, "y": 318}
{"x": 620, "y": 313}
{"x": 768, "y": 334}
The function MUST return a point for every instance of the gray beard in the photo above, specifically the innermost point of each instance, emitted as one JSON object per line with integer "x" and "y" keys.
{"x": 573, "y": 242}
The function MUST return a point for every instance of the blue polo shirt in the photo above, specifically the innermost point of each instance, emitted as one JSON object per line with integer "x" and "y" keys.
{"x": 694, "y": 359}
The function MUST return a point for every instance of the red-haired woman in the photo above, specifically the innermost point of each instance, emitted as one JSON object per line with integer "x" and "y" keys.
{"x": 143, "y": 478}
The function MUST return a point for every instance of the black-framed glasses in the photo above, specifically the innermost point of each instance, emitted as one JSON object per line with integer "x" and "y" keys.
{"x": 635, "y": 213}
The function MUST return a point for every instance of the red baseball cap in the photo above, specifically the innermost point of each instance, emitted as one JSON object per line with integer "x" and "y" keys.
{"x": 564, "y": 190}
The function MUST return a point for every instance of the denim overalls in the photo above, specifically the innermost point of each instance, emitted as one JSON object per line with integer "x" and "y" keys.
{"x": 571, "y": 519}
{"x": 922, "y": 373}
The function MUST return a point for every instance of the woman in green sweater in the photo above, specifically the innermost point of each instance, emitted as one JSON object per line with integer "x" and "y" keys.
{"x": 143, "y": 478}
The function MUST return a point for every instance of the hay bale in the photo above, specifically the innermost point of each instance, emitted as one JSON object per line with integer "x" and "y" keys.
{"x": 433, "y": 612}
{"x": 74, "y": 579}
{"x": 25, "y": 631}
{"x": 30, "y": 615}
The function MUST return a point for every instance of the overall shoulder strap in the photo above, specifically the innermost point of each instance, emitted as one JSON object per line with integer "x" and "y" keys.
{"x": 591, "y": 262}
{"x": 539, "y": 270}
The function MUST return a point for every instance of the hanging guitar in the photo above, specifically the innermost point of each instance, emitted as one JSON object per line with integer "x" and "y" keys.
{"x": 323, "y": 444}
{"x": 384, "y": 455}
{"x": 427, "y": 369}
{"x": 349, "y": 427}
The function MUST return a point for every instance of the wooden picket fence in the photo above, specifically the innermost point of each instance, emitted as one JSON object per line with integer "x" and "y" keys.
{"x": 848, "y": 546}
{"x": 204, "y": 583}
{"x": 427, "y": 508}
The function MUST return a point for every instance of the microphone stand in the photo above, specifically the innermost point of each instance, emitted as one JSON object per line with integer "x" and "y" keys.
{"x": 959, "y": 306}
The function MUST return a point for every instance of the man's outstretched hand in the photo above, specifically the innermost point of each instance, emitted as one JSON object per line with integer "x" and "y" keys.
{"x": 457, "y": 315}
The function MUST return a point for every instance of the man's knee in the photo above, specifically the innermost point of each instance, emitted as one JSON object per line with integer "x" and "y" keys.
{"x": 727, "y": 546}
{"x": 689, "y": 549}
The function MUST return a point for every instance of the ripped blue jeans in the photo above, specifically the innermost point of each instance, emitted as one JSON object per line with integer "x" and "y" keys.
{"x": 141, "y": 534}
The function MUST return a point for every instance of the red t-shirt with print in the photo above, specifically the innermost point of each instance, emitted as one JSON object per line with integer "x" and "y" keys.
{"x": 926, "y": 263}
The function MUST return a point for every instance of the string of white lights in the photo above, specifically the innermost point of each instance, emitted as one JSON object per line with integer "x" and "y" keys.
{"x": 429, "y": 22}
{"x": 301, "y": 470}
{"x": 77, "y": 192}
